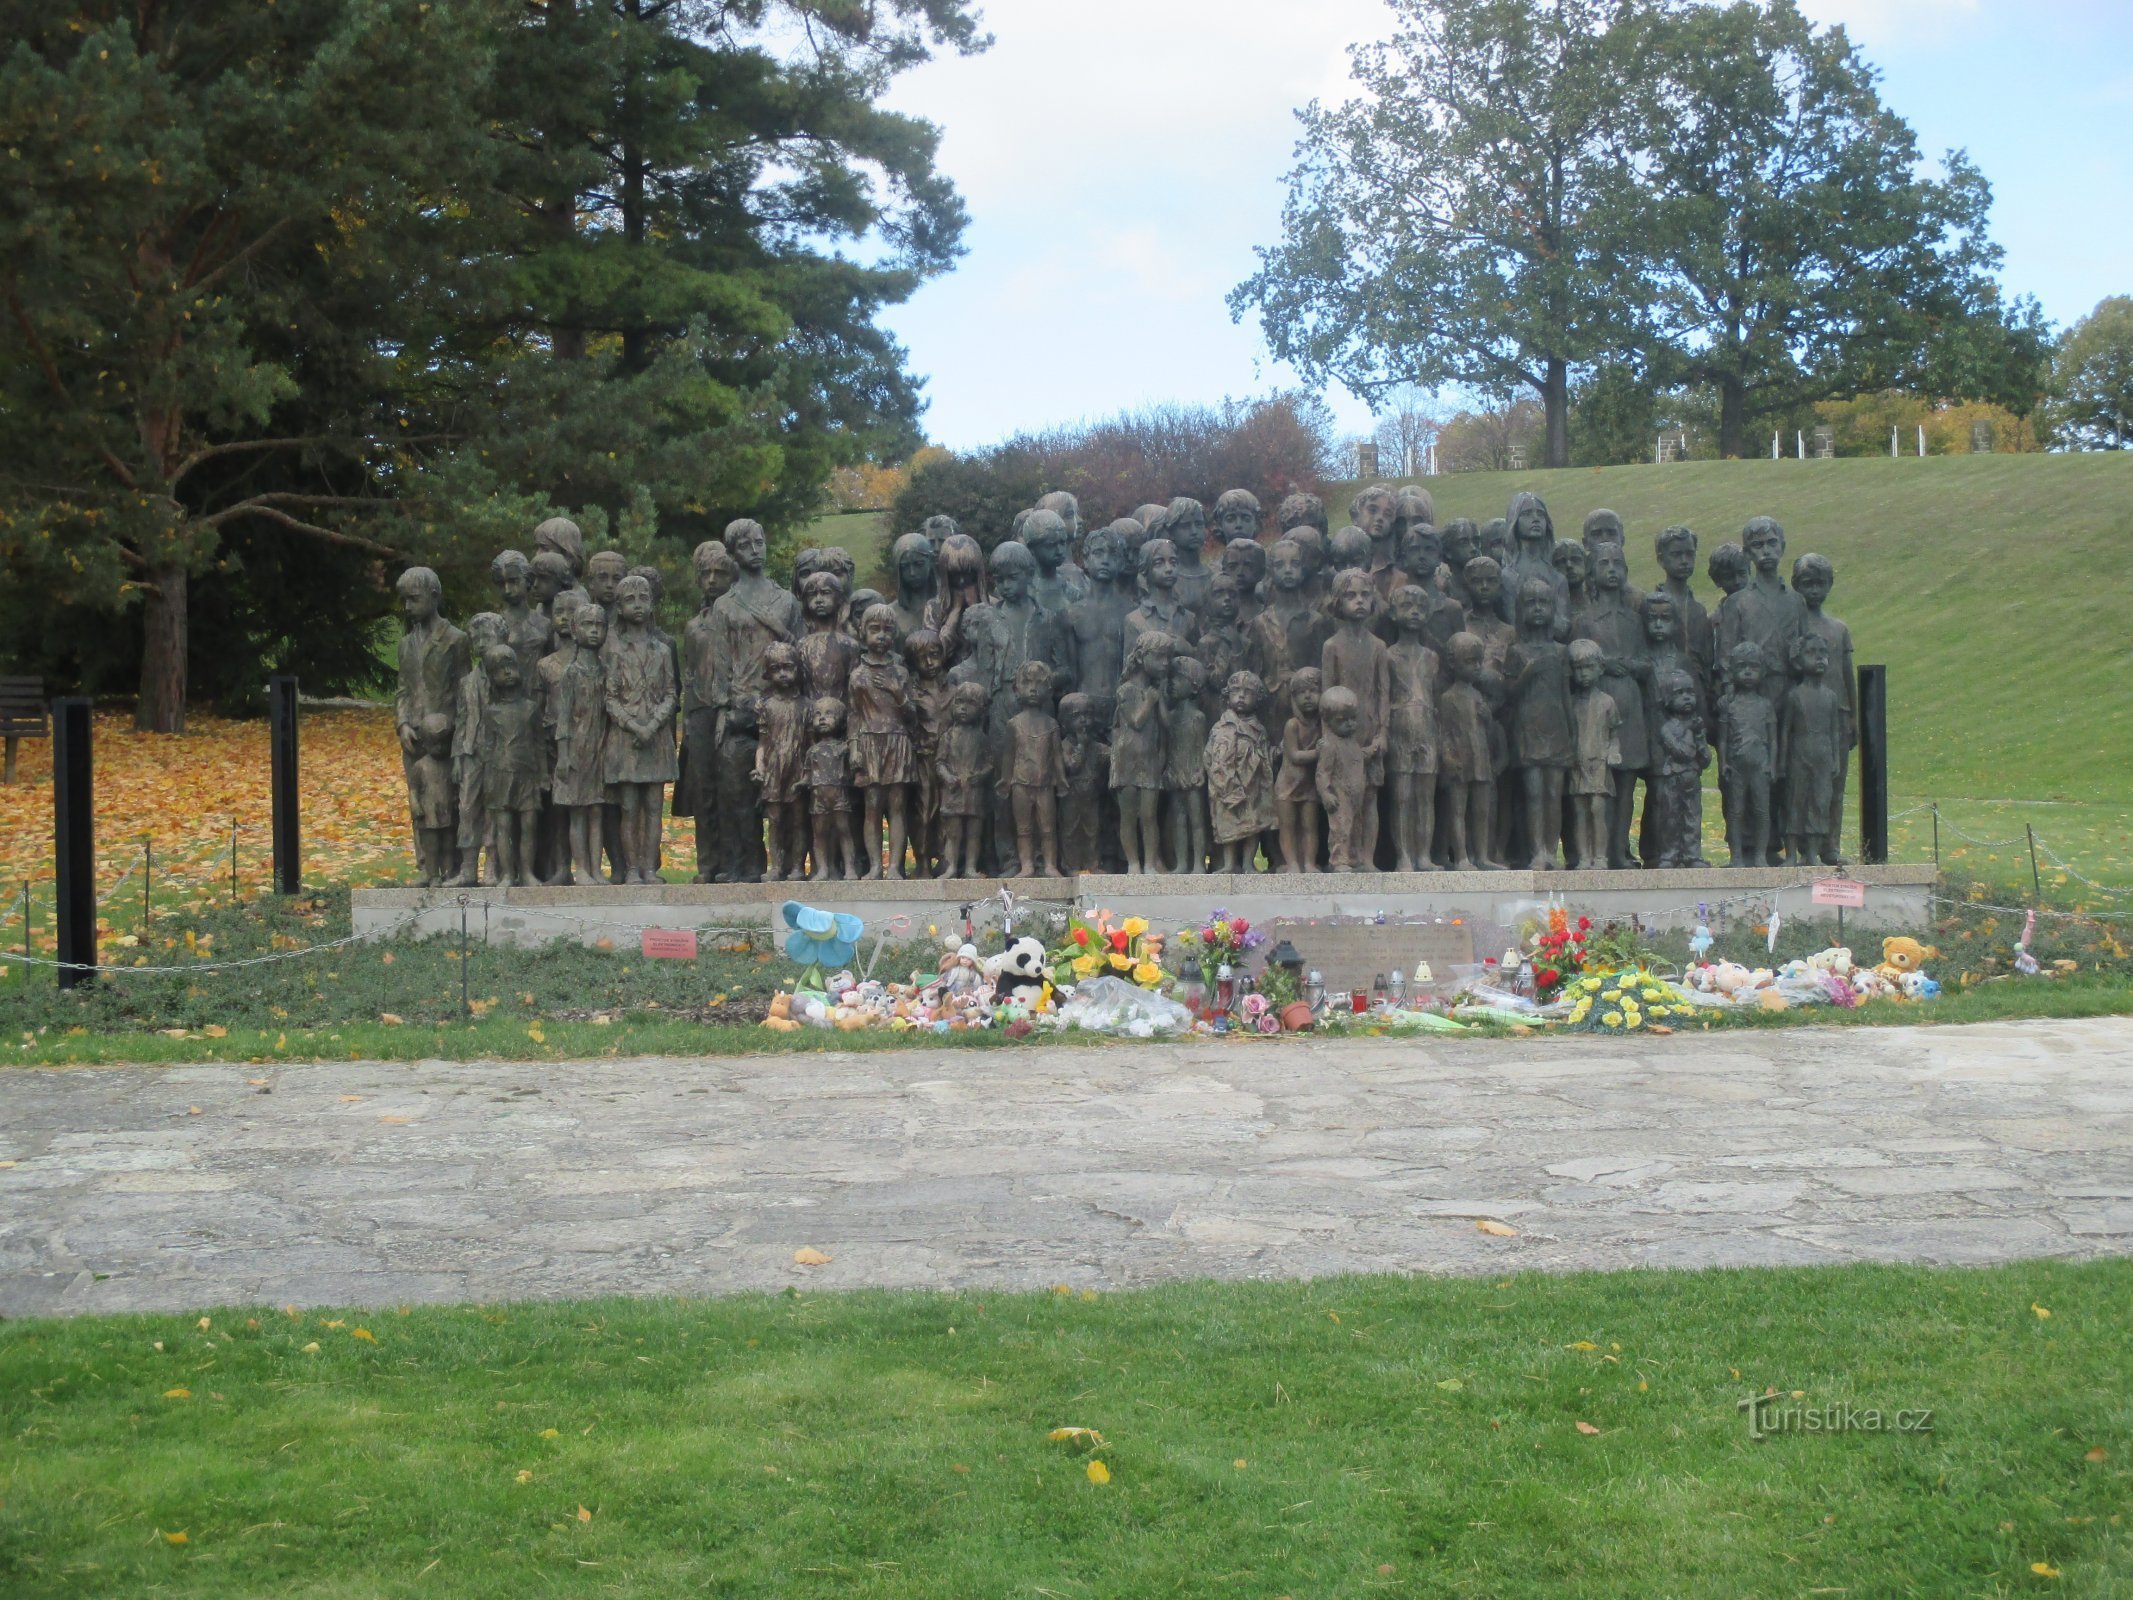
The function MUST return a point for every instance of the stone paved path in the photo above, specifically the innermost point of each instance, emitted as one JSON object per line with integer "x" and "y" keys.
{"x": 371, "y": 1183}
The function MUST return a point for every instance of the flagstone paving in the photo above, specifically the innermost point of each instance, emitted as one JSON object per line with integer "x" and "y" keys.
{"x": 377, "y": 1183}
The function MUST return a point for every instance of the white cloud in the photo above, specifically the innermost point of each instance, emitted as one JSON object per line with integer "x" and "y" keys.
{"x": 1881, "y": 21}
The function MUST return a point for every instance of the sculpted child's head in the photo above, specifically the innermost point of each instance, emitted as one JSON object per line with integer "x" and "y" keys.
{"x": 825, "y": 718}
{"x": 1677, "y": 692}
{"x": 1484, "y": 580}
{"x": 1224, "y": 597}
{"x": 1033, "y": 685}
{"x": 588, "y": 625}
{"x": 549, "y": 576}
{"x": 1764, "y": 541}
{"x": 1584, "y": 663}
{"x": 1245, "y": 559}
{"x": 1350, "y": 548}
{"x": 1809, "y": 655}
{"x": 962, "y": 563}
{"x": 1300, "y": 510}
{"x": 1572, "y": 562}
{"x": 566, "y": 539}
{"x": 420, "y": 593}
{"x": 781, "y": 666}
{"x": 1812, "y": 579}
{"x": 604, "y": 574}
{"x": 1373, "y": 510}
{"x": 1306, "y": 686}
{"x": 1463, "y": 655}
{"x": 1102, "y": 554}
{"x": 1244, "y": 693}
{"x": 1410, "y": 609}
{"x": 1609, "y": 568}
{"x": 1046, "y": 535}
{"x": 1421, "y": 552}
{"x": 1237, "y": 515}
{"x": 925, "y": 653}
{"x": 1354, "y": 596}
{"x": 1412, "y": 506}
{"x": 1676, "y": 549}
{"x": 511, "y": 572}
{"x": 1462, "y": 542}
{"x": 633, "y": 601}
{"x": 1077, "y": 715}
{"x": 1188, "y": 676}
{"x": 484, "y": 629}
{"x": 877, "y": 629}
{"x": 713, "y": 565}
{"x": 1536, "y": 605}
{"x": 499, "y": 663}
{"x": 745, "y": 539}
{"x": 1341, "y": 711}
{"x": 1159, "y": 564}
{"x": 1312, "y": 542}
{"x": 1662, "y": 624}
{"x": 1728, "y": 567}
{"x": 1066, "y": 508}
{"x": 1012, "y": 568}
{"x": 1185, "y": 525}
{"x": 1744, "y": 664}
{"x": 1150, "y": 655}
{"x": 1285, "y": 565}
{"x": 966, "y": 703}
{"x": 822, "y": 596}
{"x": 914, "y": 560}
{"x": 1603, "y": 527}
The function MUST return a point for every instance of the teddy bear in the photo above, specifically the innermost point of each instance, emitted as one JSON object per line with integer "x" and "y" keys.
{"x": 1901, "y": 954}
{"x": 1018, "y": 973}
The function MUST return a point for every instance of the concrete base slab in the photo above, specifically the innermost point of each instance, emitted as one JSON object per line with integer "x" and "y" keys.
{"x": 1897, "y": 898}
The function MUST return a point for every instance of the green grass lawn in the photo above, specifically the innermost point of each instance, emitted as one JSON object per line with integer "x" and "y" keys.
{"x": 1529, "y": 1435}
{"x": 860, "y": 533}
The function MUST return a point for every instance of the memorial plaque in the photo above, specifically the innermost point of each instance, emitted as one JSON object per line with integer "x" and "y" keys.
{"x": 1353, "y": 951}
{"x": 1838, "y": 892}
{"x": 670, "y": 944}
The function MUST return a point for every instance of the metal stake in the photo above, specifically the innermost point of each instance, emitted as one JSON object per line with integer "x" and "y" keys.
{"x": 2036, "y": 879}
{"x": 148, "y": 877}
{"x": 466, "y": 1006}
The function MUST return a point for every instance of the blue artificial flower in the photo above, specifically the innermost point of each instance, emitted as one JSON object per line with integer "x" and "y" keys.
{"x": 827, "y": 939}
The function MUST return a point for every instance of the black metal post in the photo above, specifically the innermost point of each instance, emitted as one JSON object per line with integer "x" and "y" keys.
{"x": 1874, "y": 764}
{"x": 2036, "y": 878}
{"x": 281, "y": 715}
{"x": 74, "y": 834}
{"x": 148, "y": 887}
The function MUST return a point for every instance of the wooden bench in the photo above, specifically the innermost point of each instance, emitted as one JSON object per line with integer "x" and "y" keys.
{"x": 23, "y": 715}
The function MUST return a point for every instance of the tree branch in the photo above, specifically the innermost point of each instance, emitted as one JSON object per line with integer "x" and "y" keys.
{"x": 296, "y": 524}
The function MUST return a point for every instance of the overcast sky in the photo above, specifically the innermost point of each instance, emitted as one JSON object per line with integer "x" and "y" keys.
{"x": 1120, "y": 158}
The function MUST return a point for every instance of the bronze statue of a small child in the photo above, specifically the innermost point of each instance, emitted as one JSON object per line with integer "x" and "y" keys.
{"x": 1138, "y": 749}
{"x": 1036, "y": 772}
{"x": 485, "y": 630}
{"x": 1411, "y": 729}
{"x": 1748, "y": 752}
{"x": 927, "y": 660}
{"x": 780, "y": 757}
{"x": 1542, "y": 742}
{"x": 1185, "y": 765}
{"x": 827, "y": 774}
{"x": 1240, "y": 774}
{"x": 578, "y": 715}
{"x": 1343, "y": 778}
{"x": 1088, "y": 774}
{"x": 1296, "y": 809}
{"x": 1466, "y": 764}
{"x": 1676, "y": 797}
{"x": 1594, "y": 718}
{"x": 1812, "y": 727}
{"x": 511, "y": 766}
{"x": 964, "y": 766}
{"x": 884, "y": 762}
{"x": 641, "y": 699}
{"x": 1357, "y": 660}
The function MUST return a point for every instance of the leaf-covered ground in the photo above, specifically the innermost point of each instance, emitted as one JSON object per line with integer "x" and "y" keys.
{"x": 1345, "y": 1437}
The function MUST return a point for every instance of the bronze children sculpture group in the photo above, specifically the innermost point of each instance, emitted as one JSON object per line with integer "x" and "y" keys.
{"x": 1155, "y": 695}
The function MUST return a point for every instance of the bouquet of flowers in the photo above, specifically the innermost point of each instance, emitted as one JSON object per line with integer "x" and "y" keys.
{"x": 1628, "y": 1001}
{"x": 1128, "y": 950}
{"x": 1225, "y": 938}
{"x": 1559, "y": 953}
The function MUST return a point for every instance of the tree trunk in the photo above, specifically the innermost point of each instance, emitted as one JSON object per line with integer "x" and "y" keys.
{"x": 161, "y": 706}
{"x": 1732, "y": 417}
{"x": 1555, "y": 398}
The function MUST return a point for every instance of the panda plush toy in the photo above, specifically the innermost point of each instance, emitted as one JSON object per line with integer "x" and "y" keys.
{"x": 1018, "y": 972}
